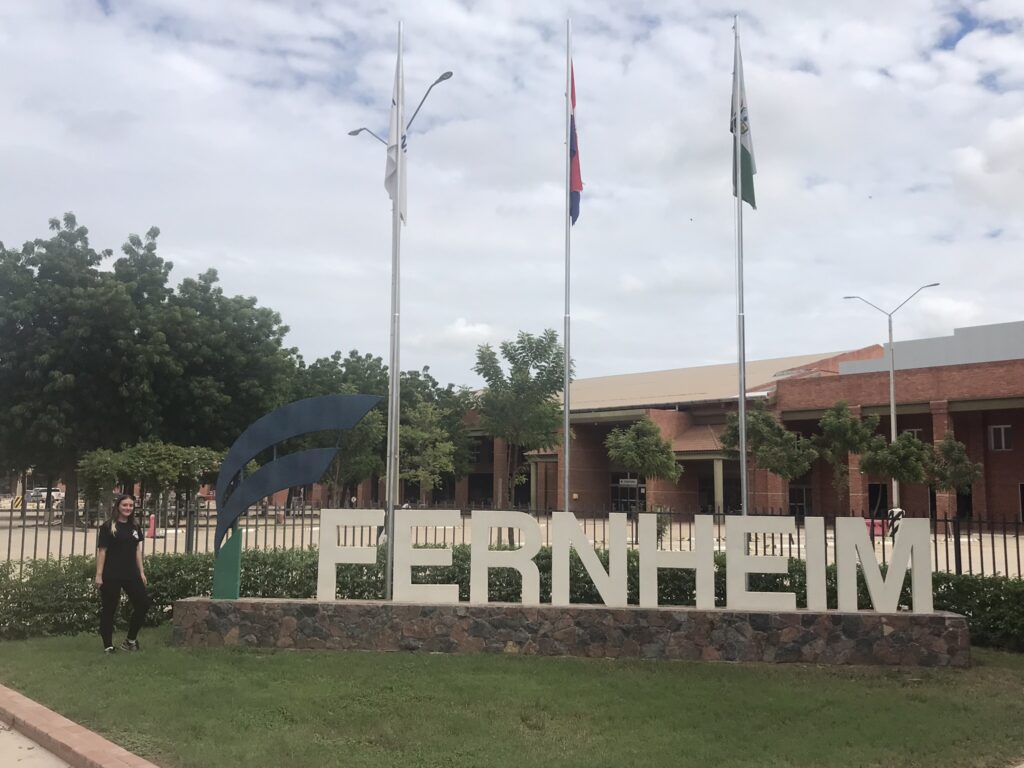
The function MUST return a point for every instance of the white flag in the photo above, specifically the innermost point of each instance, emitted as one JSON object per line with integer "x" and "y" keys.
{"x": 747, "y": 167}
{"x": 394, "y": 174}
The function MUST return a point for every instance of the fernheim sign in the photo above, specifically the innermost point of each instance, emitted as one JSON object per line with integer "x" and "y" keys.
{"x": 910, "y": 552}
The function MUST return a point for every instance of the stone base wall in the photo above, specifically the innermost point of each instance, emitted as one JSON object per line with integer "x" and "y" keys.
{"x": 906, "y": 639}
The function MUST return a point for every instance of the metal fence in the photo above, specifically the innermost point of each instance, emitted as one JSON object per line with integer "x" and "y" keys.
{"x": 958, "y": 546}
{"x": 38, "y": 533}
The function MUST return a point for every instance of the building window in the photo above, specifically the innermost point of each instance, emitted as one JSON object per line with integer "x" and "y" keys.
{"x": 914, "y": 432}
{"x": 999, "y": 437}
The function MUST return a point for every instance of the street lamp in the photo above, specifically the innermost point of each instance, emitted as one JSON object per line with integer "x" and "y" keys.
{"x": 357, "y": 131}
{"x": 892, "y": 377}
{"x": 441, "y": 78}
{"x": 393, "y": 357}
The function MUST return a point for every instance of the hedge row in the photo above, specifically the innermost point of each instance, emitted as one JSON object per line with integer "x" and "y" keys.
{"x": 57, "y": 597}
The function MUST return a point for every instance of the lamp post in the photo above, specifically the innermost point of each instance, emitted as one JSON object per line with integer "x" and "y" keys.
{"x": 391, "y": 500}
{"x": 357, "y": 131}
{"x": 441, "y": 78}
{"x": 892, "y": 377}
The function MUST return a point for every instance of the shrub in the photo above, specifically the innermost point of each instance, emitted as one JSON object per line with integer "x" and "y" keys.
{"x": 993, "y": 605}
{"x": 49, "y": 597}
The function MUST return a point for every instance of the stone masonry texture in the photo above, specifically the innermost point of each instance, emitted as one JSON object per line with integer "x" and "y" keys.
{"x": 834, "y": 638}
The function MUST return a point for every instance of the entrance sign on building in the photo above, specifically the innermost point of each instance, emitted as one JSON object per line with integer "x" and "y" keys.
{"x": 910, "y": 552}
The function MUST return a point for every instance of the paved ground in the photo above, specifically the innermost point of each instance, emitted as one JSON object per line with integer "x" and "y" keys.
{"x": 33, "y": 736}
{"x": 17, "y": 750}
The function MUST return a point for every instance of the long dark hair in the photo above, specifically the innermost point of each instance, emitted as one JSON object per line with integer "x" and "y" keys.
{"x": 114, "y": 514}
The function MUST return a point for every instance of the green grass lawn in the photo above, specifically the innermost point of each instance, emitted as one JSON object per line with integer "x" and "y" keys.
{"x": 224, "y": 708}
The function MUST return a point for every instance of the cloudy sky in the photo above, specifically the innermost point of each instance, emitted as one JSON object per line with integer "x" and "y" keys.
{"x": 889, "y": 140}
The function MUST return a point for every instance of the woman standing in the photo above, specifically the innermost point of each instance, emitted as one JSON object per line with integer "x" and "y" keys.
{"x": 119, "y": 566}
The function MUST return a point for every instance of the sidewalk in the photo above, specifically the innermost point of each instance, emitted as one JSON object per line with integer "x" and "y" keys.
{"x": 17, "y": 750}
{"x": 41, "y": 738}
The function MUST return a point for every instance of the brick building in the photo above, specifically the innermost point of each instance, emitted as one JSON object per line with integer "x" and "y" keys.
{"x": 971, "y": 383}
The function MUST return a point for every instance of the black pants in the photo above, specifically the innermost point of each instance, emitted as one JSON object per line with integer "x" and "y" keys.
{"x": 110, "y": 596}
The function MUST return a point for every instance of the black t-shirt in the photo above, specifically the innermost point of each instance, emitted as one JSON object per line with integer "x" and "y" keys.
{"x": 121, "y": 547}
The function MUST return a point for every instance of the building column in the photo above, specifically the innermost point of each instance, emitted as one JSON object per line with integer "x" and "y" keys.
{"x": 719, "y": 486}
{"x": 462, "y": 492}
{"x": 945, "y": 501}
{"x": 364, "y": 494}
{"x": 857, "y": 493}
{"x": 498, "y": 490}
{"x": 533, "y": 484}
{"x": 769, "y": 493}
{"x": 821, "y": 483}
{"x": 977, "y": 450}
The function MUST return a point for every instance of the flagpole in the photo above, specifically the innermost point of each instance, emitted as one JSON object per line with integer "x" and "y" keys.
{"x": 568, "y": 240}
{"x": 391, "y": 496}
{"x": 740, "y": 318}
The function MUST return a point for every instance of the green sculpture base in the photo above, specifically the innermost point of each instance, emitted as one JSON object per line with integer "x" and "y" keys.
{"x": 227, "y": 568}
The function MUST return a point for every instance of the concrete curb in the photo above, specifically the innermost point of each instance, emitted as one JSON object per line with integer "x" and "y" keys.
{"x": 72, "y": 743}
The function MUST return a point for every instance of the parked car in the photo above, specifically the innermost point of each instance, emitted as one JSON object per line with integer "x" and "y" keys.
{"x": 38, "y": 495}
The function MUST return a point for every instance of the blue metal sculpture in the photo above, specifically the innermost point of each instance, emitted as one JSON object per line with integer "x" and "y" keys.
{"x": 235, "y": 492}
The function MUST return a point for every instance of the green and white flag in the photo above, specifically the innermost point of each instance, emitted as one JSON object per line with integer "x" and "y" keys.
{"x": 747, "y": 167}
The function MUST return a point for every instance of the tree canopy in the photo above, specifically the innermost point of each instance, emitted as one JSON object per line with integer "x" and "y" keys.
{"x": 842, "y": 433}
{"x": 641, "y": 449}
{"x": 772, "y": 446}
{"x": 102, "y": 353}
{"x": 906, "y": 460}
{"x": 519, "y": 404}
{"x": 951, "y": 469}
{"x": 158, "y": 467}
{"x": 433, "y": 436}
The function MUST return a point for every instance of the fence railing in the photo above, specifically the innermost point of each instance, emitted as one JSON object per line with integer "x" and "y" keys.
{"x": 38, "y": 533}
{"x": 979, "y": 547}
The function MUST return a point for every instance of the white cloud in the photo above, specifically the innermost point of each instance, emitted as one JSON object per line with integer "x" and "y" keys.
{"x": 463, "y": 331}
{"x": 884, "y": 162}
{"x": 995, "y": 170}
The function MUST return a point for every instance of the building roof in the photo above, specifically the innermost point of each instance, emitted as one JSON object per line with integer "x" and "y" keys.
{"x": 976, "y": 344}
{"x": 706, "y": 383}
{"x": 700, "y": 438}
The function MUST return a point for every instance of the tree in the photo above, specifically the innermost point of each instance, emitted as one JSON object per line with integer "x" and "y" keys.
{"x": 227, "y": 364}
{"x": 426, "y": 453}
{"x": 951, "y": 469}
{"x": 93, "y": 358}
{"x": 99, "y": 471}
{"x": 843, "y": 434}
{"x": 360, "y": 449}
{"x": 448, "y": 408}
{"x": 520, "y": 406}
{"x": 157, "y": 467}
{"x": 360, "y": 456}
{"x": 73, "y": 355}
{"x": 454, "y": 403}
{"x": 906, "y": 460}
{"x": 640, "y": 448}
{"x": 770, "y": 444}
